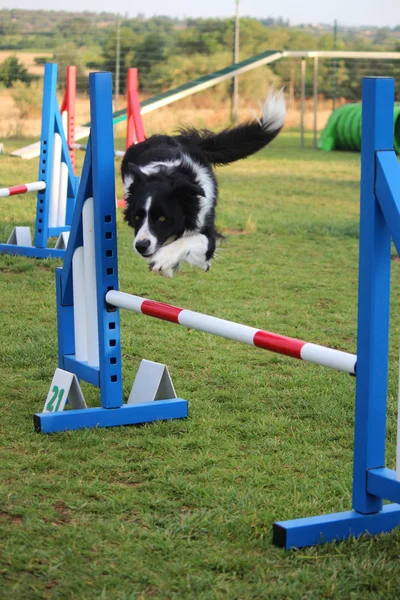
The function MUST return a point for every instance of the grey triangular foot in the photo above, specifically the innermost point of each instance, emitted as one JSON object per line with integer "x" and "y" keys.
{"x": 152, "y": 382}
{"x": 64, "y": 386}
{"x": 62, "y": 242}
{"x": 20, "y": 236}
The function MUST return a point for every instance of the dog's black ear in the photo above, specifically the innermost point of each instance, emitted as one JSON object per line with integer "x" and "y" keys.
{"x": 139, "y": 176}
{"x": 185, "y": 187}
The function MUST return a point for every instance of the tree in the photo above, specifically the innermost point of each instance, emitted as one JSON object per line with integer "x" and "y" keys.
{"x": 75, "y": 29}
{"x": 150, "y": 57}
{"x": 128, "y": 42}
{"x": 12, "y": 70}
{"x": 65, "y": 56}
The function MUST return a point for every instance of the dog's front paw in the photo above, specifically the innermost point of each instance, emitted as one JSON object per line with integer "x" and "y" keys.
{"x": 164, "y": 262}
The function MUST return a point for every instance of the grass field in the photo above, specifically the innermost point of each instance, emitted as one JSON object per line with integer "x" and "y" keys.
{"x": 184, "y": 509}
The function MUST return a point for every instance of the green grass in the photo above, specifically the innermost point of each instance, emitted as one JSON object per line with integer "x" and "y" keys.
{"x": 184, "y": 509}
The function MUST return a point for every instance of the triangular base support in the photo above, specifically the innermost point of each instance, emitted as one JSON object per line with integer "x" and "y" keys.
{"x": 64, "y": 387}
{"x": 20, "y": 236}
{"x": 152, "y": 382}
{"x": 62, "y": 242}
{"x": 20, "y": 244}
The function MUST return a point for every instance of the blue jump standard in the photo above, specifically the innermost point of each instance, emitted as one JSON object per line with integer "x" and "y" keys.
{"x": 98, "y": 182}
{"x": 51, "y": 124}
{"x": 379, "y": 226}
{"x": 127, "y": 414}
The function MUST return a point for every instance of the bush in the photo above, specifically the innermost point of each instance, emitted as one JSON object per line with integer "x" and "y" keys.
{"x": 12, "y": 70}
{"x": 41, "y": 60}
{"x": 28, "y": 100}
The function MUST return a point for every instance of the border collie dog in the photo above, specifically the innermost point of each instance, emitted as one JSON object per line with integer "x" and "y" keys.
{"x": 171, "y": 190}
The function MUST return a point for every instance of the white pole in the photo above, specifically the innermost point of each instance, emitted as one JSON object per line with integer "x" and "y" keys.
{"x": 90, "y": 283}
{"x": 62, "y": 196}
{"x": 55, "y": 181}
{"x": 80, "y": 327}
{"x": 302, "y": 101}
{"x": 63, "y": 193}
{"x": 64, "y": 119}
{"x": 315, "y": 126}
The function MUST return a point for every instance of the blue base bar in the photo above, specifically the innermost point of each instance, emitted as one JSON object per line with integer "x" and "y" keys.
{"x": 31, "y": 251}
{"x": 311, "y": 531}
{"x": 128, "y": 414}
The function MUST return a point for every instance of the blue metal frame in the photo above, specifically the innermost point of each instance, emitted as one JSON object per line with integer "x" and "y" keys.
{"x": 98, "y": 181}
{"x": 379, "y": 224}
{"x": 51, "y": 124}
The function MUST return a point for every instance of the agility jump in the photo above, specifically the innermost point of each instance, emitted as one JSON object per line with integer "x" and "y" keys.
{"x": 56, "y": 186}
{"x": 89, "y": 340}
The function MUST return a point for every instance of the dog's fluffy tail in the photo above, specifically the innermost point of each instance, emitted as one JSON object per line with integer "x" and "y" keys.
{"x": 239, "y": 142}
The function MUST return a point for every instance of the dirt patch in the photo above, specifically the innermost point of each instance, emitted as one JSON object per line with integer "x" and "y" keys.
{"x": 15, "y": 519}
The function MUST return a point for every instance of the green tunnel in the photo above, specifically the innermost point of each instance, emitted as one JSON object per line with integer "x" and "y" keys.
{"x": 343, "y": 129}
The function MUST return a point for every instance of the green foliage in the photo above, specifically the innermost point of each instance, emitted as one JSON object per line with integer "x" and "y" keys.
{"x": 28, "y": 101}
{"x": 150, "y": 58}
{"x": 12, "y": 70}
{"x": 159, "y": 44}
{"x": 128, "y": 41}
{"x": 66, "y": 55}
{"x": 41, "y": 60}
{"x": 27, "y": 98}
{"x": 75, "y": 30}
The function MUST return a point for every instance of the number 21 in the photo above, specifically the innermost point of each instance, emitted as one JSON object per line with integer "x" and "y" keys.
{"x": 57, "y": 394}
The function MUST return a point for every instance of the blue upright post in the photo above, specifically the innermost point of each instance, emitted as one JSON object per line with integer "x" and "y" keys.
{"x": 98, "y": 182}
{"x": 379, "y": 223}
{"x": 51, "y": 124}
{"x": 103, "y": 173}
{"x": 373, "y": 296}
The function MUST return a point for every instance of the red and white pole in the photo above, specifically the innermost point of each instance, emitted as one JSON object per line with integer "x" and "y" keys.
{"x": 35, "y": 186}
{"x": 320, "y": 355}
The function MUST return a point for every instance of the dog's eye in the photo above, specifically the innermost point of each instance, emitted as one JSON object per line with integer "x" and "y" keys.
{"x": 162, "y": 219}
{"x": 137, "y": 218}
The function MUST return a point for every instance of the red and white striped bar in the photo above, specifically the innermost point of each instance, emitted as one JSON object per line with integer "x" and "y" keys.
{"x": 35, "y": 186}
{"x": 320, "y": 355}
{"x": 84, "y": 146}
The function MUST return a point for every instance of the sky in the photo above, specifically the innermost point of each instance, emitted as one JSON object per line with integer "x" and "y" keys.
{"x": 347, "y": 12}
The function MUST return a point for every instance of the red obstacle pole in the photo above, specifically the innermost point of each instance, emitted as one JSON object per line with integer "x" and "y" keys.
{"x": 35, "y": 186}
{"x": 320, "y": 355}
{"x": 134, "y": 128}
{"x": 68, "y": 108}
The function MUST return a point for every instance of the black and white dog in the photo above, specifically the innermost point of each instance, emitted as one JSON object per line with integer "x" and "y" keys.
{"x": 171, "y": 190}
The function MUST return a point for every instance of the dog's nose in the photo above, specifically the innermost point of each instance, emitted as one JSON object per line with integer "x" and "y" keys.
{"x": 142, "y": 245}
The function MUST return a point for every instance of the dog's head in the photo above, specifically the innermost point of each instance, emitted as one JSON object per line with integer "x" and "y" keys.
{"x": 159, "y": 208}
